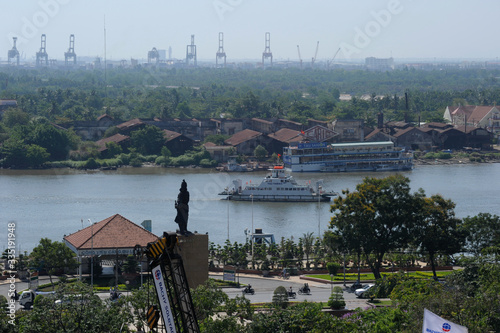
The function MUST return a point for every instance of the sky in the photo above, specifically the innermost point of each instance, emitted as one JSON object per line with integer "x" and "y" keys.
{"x": 403, "y": 29}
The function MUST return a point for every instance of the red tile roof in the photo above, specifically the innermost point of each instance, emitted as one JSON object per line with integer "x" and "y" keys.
{"x": 111, "y": 233}
{"x": 262, "y": 121}
{"x": 286, "y": 135}
{"x": 130, "y": 124}
{"x": 170, "y": 135}
{"x": 479, "y": 113}
{"x": 117, "y": 138}
{"x": 242, "y": 136}
{"x": 104, "y": 116}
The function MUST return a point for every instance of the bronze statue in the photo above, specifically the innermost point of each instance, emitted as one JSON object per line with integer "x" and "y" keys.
{"x": 182, "y": 206}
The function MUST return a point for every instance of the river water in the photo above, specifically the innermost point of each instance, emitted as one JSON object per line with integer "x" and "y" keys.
{"x": 58, "y": 202}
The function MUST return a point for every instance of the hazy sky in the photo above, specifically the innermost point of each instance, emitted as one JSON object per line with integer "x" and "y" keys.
{"x": 460, "y": 29}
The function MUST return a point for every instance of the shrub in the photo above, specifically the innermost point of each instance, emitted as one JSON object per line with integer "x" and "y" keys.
{"x": 280, "y": 297}
{"x": 207, "y": 163}
{"x": 163, "y": 160}
{"x": 91, "y": 163}
{"x": 333, "y": 268}
{"x": 336, "y": 300}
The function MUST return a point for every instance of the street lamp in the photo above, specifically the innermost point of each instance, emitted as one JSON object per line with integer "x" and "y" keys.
{"x": 92, "y": 256}
{"x": 331, "y": 283}
{"x": 319, "y": 212}
{"x": 251, "y": 234}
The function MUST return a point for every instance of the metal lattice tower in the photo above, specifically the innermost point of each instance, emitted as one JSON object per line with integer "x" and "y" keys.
{"x": 13, "y": 53}
{"x": 42, "y": 56}
{"x": 220, "y": 53}
{"x": 153, "y": 55}
{"x": 267, "y": 51}
{"x": 191, "y": 52}
{"x": 163, "y": 255}
{"x": 70, "y": 55}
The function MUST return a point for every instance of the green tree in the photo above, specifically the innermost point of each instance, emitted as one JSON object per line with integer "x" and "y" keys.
{"x": 36, "y": 156}
{"x": 79, "y": 310}
{"x": 438, "y": 231}
{"x": 378, "y": 217}
{"x": 148, "y": 141}
{"x": 260, "y": 153}
{"x": 206, "y": 299}
{"x": 482, "y": 233}
{"x": 53, "y": 257}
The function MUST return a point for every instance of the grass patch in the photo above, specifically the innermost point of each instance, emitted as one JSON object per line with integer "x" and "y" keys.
{"x": 351, "y": 277}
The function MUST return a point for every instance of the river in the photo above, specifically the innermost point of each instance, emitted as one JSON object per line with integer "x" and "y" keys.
{"x": 57, "y": 202}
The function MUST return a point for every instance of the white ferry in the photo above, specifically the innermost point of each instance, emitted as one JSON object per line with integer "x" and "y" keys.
{"x": 347, "y": 157}
{"x": 279, "y": 187}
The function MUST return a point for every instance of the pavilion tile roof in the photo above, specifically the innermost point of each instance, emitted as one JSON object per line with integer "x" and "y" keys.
{"x": 112, "y": 233}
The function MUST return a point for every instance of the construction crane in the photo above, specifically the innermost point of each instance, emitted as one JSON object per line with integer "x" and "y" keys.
{"x": 42, "y": 56}
{"x": 334, "y": 56}
{"x": 315, "y": 55}
{"x": 13, "y": 53}
{"x": 174, "y": 297}
{"x": 220, "y": 52}
{"x": 191, "y": 52}
{"x": 300, "y": 58}
{"x": 71, "y": 51}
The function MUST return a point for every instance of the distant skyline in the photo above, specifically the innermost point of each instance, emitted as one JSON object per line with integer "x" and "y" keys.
{"x": 422, "y": 29}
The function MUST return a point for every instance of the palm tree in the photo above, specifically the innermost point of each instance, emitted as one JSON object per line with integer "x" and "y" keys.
{"x": 308, "y": 241}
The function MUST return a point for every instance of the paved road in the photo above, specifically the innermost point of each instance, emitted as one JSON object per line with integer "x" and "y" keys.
{"x": 264, "y": 288}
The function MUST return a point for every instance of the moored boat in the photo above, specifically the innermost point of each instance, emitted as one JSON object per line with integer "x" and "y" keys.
{"x": 278, "y": 187}
{"x": 347, "y": 157}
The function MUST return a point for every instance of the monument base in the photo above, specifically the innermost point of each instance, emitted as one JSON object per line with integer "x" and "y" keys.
{"x": 194, "y": 252}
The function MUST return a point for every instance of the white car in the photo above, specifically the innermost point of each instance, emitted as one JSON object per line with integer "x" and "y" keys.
{"x": 361, "y": 291}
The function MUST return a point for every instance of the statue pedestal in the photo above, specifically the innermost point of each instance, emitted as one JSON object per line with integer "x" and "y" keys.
{"x": 194, "y": 252}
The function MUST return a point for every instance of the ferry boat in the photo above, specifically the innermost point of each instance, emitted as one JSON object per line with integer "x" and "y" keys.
{"x": 277, "y": 186}
{"x": 347, "y": 157}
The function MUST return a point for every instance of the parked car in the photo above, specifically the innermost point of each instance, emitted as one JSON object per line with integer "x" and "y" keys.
{"x": 361, "y": 292}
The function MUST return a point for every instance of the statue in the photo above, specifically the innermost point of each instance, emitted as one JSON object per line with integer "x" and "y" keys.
{"x": 182, "y": 206}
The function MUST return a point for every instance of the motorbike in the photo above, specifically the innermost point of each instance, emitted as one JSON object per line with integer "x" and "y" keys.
{"x": 304, "y": 291}
{"x": 248, "y": 290}
{"x": 292, "y": 294}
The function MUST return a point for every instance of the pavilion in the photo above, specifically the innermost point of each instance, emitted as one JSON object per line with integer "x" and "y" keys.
{"x": 110, "y": 239}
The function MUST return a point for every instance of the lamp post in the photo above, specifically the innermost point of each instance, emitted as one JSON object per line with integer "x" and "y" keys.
{"x": 319, "y": 212}
{"x": 251, "y": 234}
{"x": 92, "y": 256}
